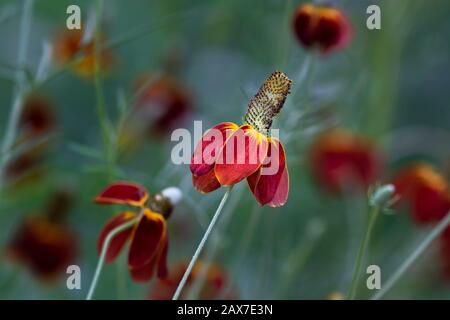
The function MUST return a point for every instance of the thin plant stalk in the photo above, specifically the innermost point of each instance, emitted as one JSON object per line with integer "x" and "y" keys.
{"x": 435, "y": 232}
{"x": 201, "y": 244}
{"x": 101, "y": 112}
{"x": 211, "y": 250}
{"x": 374, "y": 212}
{"x": 105, "y": 247}
{"x": 248, "y": 236}
{"x": 19, "y": 92}
{"x": 299, "y": 256}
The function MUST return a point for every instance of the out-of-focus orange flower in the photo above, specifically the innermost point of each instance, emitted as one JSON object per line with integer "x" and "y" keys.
{"x": 163, "y": 105}
{"x": 228, "y": 153}
{"x": 322, "y": 26}
{"x": 69, "y": 45}
{"x": 44, "y": 243}
{"x": 341, "y": 160}
{"x": 424, "y": 191}
{"x": 214, "y": 285}
{"x": 149, "y": 238}
{"x": 46, "y": 247}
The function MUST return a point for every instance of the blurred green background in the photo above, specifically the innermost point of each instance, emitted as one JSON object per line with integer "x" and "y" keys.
{"x": 389, "y": 84}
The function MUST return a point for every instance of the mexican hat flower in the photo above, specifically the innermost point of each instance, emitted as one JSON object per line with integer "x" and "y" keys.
{"x": 424, "y": 191}
{"x": 215, "y": 282}
{"x": 229, "y": 153}
{"x": 341, "y": 160}
{"x": 70, "y": 44}
{"x": 324, "y": 27}
{"x": 148, "y": 235}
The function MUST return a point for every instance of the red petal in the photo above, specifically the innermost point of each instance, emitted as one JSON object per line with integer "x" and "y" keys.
{"x": 144, "y": 273}
{"x": 270, "y": 184}
{"x": 206, "y": 183}
{"x": 205, "y": 153}
{"x": 132, "y": 194}
{"x": 241, "y": 156}
{"x": 429, "y": 204}
{"x": 162, "y": 260}
{"x": 119, "y": 240}
{"x": 146, "y": 239}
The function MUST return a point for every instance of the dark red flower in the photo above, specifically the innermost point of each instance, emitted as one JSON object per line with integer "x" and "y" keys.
{"x": 214, "y": 286}
{"x": 324, "y": 27}
{"x": 229, "y": 153}
{"x": 424, "y": 191}
{"x": 37, "y": 117}
{"x": 148, "y": 235}
{"x": 341, "y": 160}
{"x": 37, "y": 120}
{"x": 46, "y": 247}
{"x": 163, "y": 105}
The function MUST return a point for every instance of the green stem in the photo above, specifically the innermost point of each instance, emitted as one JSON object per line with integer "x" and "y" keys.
{"x": 435, "y": 232}
{"x": 101, "y": 111}
{"x": 362, "y": 251}
{"x": 19, "y": 94}
{"x": 101, "y": 260}
{"x": 201, "y": 245}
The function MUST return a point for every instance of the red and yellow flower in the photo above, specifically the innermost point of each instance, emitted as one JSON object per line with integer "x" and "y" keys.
{"x": 424, "y": 191}
{"x": 341, "y": 160}
{"x": 214, "y": 285}
{"x": 148, "y": 236}
{"x": 229, "y": 153}
{"x": 322, "y": 26}
{"x": 69, "y": 44}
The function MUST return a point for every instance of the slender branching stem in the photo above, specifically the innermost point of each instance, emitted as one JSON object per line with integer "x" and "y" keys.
{"x": 435, "y": 232}
{"x": 101, "y": 260}
{"x": 374, "y": 212}
{"x": 19, "y": 92}
{"x": 202, "y": 244}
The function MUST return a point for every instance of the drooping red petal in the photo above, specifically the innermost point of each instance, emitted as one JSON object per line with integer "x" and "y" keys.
{"x": 144, "y": 273}
{"x": 162, "y": 259}
{"x": 146, "y": 239}
{"x": 270, "y": 184}
{"x": 241, "y": 156}
{"x": 132, "y": 194}
{"x": 117, "y": 243}
{"x": 206, "y": 183}
{"x": 159, "y": 260}
{"x": 209, "y": 146}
